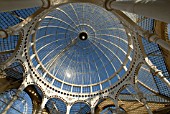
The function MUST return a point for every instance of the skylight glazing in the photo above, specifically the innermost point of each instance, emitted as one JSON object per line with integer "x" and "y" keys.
{"x": 80, "y": 44}
{"x": 155, "y": 55}
{"x": 80, "y": 108}
{"x": 15, "y": 71}
{"x": 9, "y": 19}
{"x": 146, "y": 77}
{"x": 23, "y": 105}
{"x": 56, "y": 106}
{"x": 7, "y": 47}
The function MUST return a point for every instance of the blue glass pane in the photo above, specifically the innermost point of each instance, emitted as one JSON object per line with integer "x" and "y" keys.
{"x": 67, "y": 56}
{"x": 56, "y": 106}
{"x": 80, "y": 108}
{"x": 23, "y": 104}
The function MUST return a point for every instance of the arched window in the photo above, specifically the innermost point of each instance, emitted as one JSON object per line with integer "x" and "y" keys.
{"x": 80, "y": 108}
{"x": 55, "y": 105}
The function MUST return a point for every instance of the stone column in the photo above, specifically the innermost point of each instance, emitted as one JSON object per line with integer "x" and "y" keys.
{"x": 156, "y": 9}
{"x": 10, "y": 5}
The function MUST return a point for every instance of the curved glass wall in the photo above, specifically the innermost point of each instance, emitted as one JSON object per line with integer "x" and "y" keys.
{"x": 23, "y": 105}
{"x": 56, "y": 106}
{"x": 8, "y": 19}
{"x": 15, "y": 71}
{"x": 152, "y": 49}
{"x": 80, "y": 108}
{"x": 146, "y": 77}
{"x": 7, "y": 47}
{"x": 80, "y": 44}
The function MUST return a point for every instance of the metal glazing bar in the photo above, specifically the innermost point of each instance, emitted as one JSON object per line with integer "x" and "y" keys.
{"x": 149, "y": 36}
{"x": 10, "y": 5}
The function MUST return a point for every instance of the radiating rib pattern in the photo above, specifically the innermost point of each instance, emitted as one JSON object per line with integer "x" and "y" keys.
{"x": 68, "y": 59}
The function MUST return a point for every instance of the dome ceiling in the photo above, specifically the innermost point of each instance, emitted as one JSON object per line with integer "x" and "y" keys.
{"x": 77, "y": 58}
{"x": 81, "y": 44}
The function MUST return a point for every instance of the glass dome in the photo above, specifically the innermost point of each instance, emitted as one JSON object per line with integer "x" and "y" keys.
{"x": 81, "y": 45}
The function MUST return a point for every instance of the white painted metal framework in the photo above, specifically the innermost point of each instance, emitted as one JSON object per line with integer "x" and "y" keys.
{"x": 61, "y": 66}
